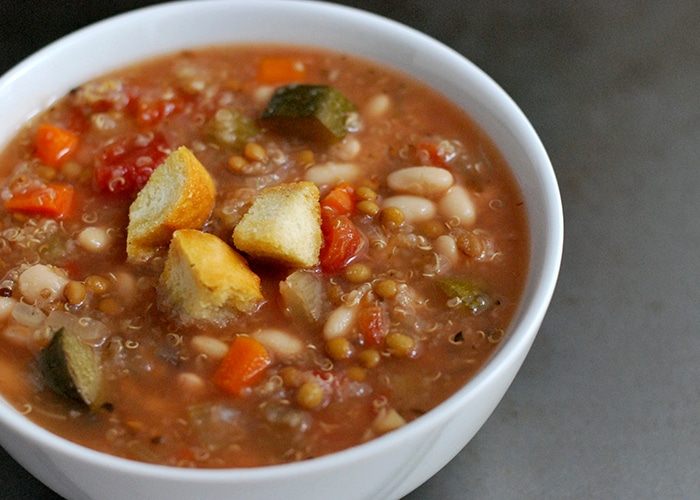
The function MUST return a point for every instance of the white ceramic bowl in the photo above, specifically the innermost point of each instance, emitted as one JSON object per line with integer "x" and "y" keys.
{"x": 398, "y": 462}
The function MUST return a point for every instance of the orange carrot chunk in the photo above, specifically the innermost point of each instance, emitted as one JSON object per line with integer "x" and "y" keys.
{"x": 55, "y": 145}
{"x": 242, "y": 366}
{"x": 274, "y": 70}
{"x": 51, "y": 200}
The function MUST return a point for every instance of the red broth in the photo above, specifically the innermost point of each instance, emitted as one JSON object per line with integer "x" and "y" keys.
{"x": 400, "y": 327}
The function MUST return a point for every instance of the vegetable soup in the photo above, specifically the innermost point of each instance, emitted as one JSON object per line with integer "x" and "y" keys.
{"x": 251, "y": 255}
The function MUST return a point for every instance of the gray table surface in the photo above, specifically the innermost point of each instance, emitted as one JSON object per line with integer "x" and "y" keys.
{"x": 607, "y": 405}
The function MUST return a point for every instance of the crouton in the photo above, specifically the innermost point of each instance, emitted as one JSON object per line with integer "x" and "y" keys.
{"x": 283, "y": 225}
{"x": 205, "y": 279}
{"x": 179, "y": 194}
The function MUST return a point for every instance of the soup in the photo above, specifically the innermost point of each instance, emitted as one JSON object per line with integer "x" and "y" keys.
{"x": 251, "y": 255}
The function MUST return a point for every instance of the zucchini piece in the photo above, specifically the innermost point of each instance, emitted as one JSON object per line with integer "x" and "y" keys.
{"x": 71, "y": 368}
{"x": 317, "y": 112}
{"x": 469, "y": 294}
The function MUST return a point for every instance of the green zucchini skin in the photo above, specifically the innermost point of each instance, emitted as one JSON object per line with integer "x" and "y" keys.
{"x": 316, "y": 112}
{"x": 71, "y": 368}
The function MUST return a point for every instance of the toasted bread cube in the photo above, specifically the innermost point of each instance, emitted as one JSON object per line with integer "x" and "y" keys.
{"x": 283, "y": 225}
{"x": 205, "y": 279}
{"x": 179, "y": 194}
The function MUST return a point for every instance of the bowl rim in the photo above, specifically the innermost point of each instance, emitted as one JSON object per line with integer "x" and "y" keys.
{"x": 520, "y": 336}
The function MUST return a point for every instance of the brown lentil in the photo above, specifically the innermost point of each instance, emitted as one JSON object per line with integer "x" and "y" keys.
{"x": 72, "y": 169}
{"x": 305, "y": 157}
{"x": 386, "y": 288}
{"x": 254, "y": 152}
{"x": 399, "y": 344}
{"x": 391, "y": 217}
{"x": 357, "y": 373}
{"x": 432, "y": 228}
{"x": 46, "y": 173}
{"x": 237, "y": 163}
{"x": 98, "y": 285}
{"x": 358, "y": 272}
{"x": 291, "y": 376}
{"x": 365, "y": 193}
{"x": 310, "y": 395}
{"x": 339, "y": 348}
{"x": 75, "y": 292}
{"x": 368, "y": 207}
{"x": 110, "y": 306}
{"x": 471, "y": 244}
{"x": 370, "y": 358}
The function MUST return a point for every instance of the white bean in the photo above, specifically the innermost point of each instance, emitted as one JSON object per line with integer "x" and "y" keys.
{"x": 339, "y": 322}
{"x": 415, "y": 208}
{"x": 332, "y": 173}
{"x": 446, "y": 247}
{"x": 347, "y": 149}
{"x": 281, "y": 343}
{"x": 263, "y": 94}
{"x": 29, "y": 316}
{"x": 41, "y": 282}
{"x": 191, "y": 383}
{"x": 457, "y": 205}
{"x": 94, "y": 239}
{"x": 421, "y": 180}
{"x": 212, "y": 347}
{"x": 378, "y": 105}
{"x": 126, "y": 285}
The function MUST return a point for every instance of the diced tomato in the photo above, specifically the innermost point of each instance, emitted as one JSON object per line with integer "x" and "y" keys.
{"x": 76, "y": 121}
{"x": 435, "y": 154}
{"x": 72, "y": 268}
{"x": 373, "y": 325}
{"x": 55, "y": 145}
{"x": 340, "y": 200}
{"x": 242, "y": 365}
{"x": 150, "y": 112}
{"x": 343, "y": 242}
{"x": 51, "y": 200}
{"x": 125, "y": 165}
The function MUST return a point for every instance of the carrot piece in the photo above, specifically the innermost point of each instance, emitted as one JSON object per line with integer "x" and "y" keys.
{"x": 242, "y": 366}
{"x": 275, "y": 70}
{"x": 50, "y": 200}
{"x": 54, "y": 145}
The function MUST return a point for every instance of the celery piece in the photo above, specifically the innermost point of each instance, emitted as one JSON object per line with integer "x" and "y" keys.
{"x": 469, "y": 294}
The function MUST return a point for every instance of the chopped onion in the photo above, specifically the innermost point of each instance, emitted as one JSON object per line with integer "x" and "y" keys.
{"x": 88, "y": 329}
{"x": 7, "y": 305}
{"x": 28, "y": 315}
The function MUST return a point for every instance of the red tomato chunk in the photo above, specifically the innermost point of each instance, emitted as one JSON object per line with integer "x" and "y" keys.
{"x": 125, "y": 165}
